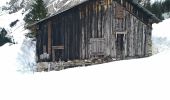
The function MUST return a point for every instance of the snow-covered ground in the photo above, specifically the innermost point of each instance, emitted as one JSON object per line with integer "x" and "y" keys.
{"x": 161, "y": 36}
{"x": 21, "y": 54}
{"x": 139, "y": 79}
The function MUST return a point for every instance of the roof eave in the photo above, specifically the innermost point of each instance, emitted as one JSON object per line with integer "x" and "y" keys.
{"x": 156, "y": 19}
{"x": 57, "y": 13}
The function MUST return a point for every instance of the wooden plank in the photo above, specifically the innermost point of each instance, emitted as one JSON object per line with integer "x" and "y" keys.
{"x": 44, "y": 49}
{"x": 49, "y": 37}
{"x": 58, "y": 47}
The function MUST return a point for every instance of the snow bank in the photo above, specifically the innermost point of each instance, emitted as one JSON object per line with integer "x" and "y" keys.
{"x": 161, "y": 36}
{"x": 26, "y": 56}
{"x": 140, "y": 79}
{"x": 162, "y": 29}
{"x": 21, "y": 55}
{"x": 166, "y": 15}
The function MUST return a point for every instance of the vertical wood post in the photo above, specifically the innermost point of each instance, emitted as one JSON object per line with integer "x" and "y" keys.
{"x": 49, "y": 38}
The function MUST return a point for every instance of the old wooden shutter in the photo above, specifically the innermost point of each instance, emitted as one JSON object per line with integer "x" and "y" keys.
{"x": 96, "y": 46}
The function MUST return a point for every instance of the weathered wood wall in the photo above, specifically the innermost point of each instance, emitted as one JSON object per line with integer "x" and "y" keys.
{"x": 96, "y": 28}
{"x": 108, "y": 18}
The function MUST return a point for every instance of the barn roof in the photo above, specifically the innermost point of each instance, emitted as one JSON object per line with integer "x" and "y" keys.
{"x": 73, "y": 3}
{"x": 145, "y": 10}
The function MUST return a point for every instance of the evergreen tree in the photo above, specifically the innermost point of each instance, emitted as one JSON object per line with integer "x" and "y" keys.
{"x": 139, "y": 1}
{"x": 37, "y": 12}
{"x": 157, "y": 9}
{"x": 166, "y": 5}
{"x": 3, "y": 38}
{"x": 147, "y": 4}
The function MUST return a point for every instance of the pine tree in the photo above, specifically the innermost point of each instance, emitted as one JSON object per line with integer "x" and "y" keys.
{"x": 157, "y": 9}
{"x": 139, "y": 1}
{"x": 3, "y": 38}
{"x": 166, "y": 6}
{"x": 37, "y": 12}
{"x": 147, "y": 4}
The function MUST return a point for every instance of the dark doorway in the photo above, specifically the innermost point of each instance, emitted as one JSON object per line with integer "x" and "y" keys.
{"x": 120, "y": 46}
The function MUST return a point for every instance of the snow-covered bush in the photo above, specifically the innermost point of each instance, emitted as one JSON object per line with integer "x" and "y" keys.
{"x": 26, "y": 56}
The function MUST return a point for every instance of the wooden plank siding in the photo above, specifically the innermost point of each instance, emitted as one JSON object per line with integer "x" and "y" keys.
{"x": 49, "y": 38}
{"x": 96, "y": 24}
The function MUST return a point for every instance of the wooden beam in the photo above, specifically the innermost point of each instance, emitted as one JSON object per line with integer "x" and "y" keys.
{"x": 49, "y": 37}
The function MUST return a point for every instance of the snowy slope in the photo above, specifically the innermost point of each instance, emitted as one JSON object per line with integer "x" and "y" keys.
{"x": 21, "y": 55}
{"x": 141, "y": 79}
{"x": 161, "y": 36}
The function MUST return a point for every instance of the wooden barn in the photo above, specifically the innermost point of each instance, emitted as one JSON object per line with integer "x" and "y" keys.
{"x": 88, "y": 29}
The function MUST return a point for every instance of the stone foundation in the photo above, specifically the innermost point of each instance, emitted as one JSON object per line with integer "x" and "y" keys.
{"x": 49, "y": 66}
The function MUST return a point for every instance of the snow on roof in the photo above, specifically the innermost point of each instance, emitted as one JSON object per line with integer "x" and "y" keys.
{"x": 62, "y": 6}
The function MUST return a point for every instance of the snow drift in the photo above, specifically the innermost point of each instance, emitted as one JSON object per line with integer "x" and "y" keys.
{"x": 161, "y": 36}
{"x": 21, "y": 55}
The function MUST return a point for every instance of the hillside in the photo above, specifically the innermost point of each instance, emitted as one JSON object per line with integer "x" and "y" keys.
{"x": 20, "y": 55}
